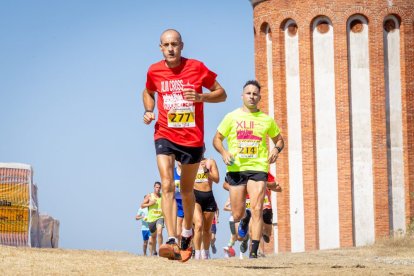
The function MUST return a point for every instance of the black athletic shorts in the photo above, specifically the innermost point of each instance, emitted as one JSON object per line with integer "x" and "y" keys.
{"x": 183, "y": 154}
{"x": 153, "y": 225}
{"x": 267, "y": 216}
{"x": 241, "y": 178}
{"x": 206, "y": 201}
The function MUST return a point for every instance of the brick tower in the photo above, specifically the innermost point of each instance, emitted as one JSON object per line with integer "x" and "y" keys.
{"x": 338, "y": 77}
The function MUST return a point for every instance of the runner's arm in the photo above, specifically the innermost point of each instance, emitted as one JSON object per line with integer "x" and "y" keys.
{"x": 218, "y": 145}
{"x": 217, "y": 94}
{"x": 279, "y": 144}
{"x": 147, "y": 202}
{"x": 274, "y": 186}
{"x": 148, "y": 98}
{"x": 138, "y": 217}
{"x": 214, "y": 173}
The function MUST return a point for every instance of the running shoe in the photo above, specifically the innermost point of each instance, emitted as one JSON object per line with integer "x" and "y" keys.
{"x": 266, "y": 238}
{"x": 170, "y": 250}
{"x": 244, "y": 225}
{"x": 252, "y": 255}
{"x": 185, "y": 243}
{"x": 186, "y": 254}
{"x": 232, "y": 252}
{"x": 243, "y": 245}
{"x": 226, "y": 252}
{"x": 213, "y": 248}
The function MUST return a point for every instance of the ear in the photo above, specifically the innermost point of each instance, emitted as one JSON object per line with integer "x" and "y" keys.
{"x": 182, "y": 45}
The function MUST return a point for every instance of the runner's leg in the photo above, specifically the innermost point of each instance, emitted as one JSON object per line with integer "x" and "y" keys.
{"x": 188, "y": 175}
{"x": 198, "y": 227}
{"x": 238, "y": 204}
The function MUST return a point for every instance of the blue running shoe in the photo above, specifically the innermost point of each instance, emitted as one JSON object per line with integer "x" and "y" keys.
{"x": 244, "y": 224}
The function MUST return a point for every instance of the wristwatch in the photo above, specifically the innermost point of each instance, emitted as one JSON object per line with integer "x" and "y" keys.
{"x": 279, "y": 149}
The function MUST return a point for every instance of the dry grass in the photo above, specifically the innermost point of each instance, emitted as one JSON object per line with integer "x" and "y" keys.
{"x": 387, "y": 257}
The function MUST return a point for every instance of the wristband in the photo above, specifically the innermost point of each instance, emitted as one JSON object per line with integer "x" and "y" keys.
{"x": 278, "y": 149}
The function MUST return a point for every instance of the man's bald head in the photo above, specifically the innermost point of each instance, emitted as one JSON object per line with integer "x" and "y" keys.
{"x": 168, "y": 32}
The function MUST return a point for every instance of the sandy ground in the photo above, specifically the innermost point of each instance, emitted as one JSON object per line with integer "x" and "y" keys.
{"x": 386, "y": 258}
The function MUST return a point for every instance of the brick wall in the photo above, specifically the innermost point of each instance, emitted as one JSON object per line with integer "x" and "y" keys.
{"x": 274, "y": 13}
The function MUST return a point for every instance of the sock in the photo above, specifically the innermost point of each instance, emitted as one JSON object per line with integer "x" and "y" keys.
{"x": 204, "y": 254}
{"x": 187, "y": 232}
{"x": 231, "y": 243}
{"x": 255, "y": 246}
{"x": 197, "y": 255}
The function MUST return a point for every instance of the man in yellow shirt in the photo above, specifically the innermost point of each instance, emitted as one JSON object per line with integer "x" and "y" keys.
{"x": 247, "y": 158}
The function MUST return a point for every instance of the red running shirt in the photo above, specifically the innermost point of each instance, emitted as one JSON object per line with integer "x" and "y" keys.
{"x": 179, "y": 121}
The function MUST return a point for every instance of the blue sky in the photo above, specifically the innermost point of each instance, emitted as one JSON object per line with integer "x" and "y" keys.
{"x": 71, "y": 77}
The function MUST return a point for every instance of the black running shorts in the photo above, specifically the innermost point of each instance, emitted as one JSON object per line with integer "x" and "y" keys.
{"x": 241, "y": 178}
{"x": 153, "y": 225}
{"x": 206, "y": 201}
{"x": 183, "y": 154}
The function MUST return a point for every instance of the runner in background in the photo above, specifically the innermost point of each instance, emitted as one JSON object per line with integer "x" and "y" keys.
{"x": 205, "y": 207}
{"x": 272, "y": 185}
{"x": 142, "y": 215}
{"x": 214, "y": 231}
{"x": 155, "y": 217}
{"x": 178, "y": 199}
{"x": 229, "y": 250}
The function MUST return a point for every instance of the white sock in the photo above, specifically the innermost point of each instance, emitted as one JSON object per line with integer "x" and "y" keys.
{"x": 187, "y": 233}
{"x": 205, "y": 254}
{"x": 197, "y": 255}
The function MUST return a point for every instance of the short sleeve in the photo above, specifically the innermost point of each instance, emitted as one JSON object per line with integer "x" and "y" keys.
{"x": 150, "y": 85}
{"x": 207, "y": 77}
{"x": 273, "y": 129}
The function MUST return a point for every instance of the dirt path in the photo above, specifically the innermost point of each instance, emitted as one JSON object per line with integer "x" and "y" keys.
{"x": 376, "y": 260}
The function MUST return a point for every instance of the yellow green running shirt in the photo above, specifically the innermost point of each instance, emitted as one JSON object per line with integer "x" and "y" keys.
{"x": 154, "y": 211}
{"x": 246, "y": 135}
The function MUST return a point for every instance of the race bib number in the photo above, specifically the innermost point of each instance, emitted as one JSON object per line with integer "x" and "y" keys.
{"x": 247, "y": 204}
{"x": 181, "y": 118}
{"x": 201, "y": 177}
{"x": 157, "y": 212}
{"x": 177, "y": 185}
{"x": 248, "y": 149}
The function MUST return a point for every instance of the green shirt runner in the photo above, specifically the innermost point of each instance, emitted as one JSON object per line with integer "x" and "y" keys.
{"x": 246, "y": 135}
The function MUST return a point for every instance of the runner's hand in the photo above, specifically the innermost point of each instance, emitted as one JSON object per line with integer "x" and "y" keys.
{"x": 273, "y": 156}
{"x": 148, "y": 117}
{"x": 228, "y": 158}
{"x": 191, "y": 95}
